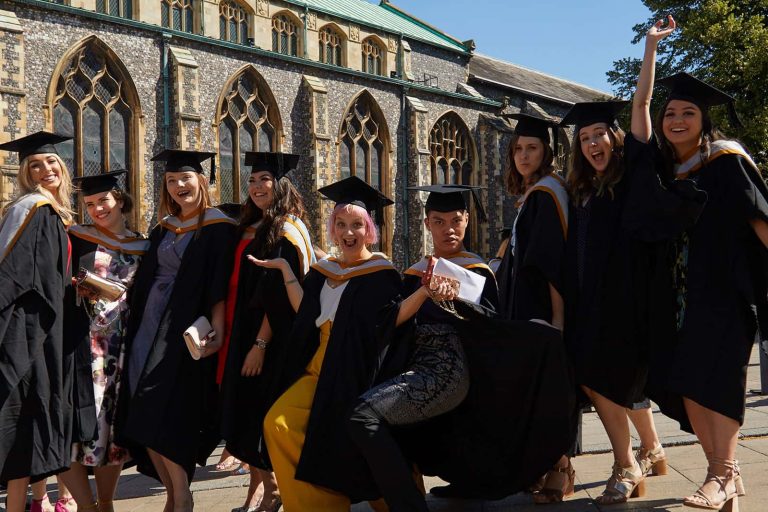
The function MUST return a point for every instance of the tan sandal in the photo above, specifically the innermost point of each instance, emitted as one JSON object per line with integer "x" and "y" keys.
{"x": 652, "y": 462}
{"x": 558, "y": 484}
{"x": 726, "y": 497}
{"x": 624, "y": 483}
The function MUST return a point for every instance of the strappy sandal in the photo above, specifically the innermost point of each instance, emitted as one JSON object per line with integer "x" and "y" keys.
{"x": 41, "y": 505}
{"x": 623, "y": 484}
{"x": 228, "y": 464}
{"x": 740, "y": 490}
{"x": 652, "y": 462}
{"x": 725, "y": 498}
{"x": 65, "y": 504}
{"x": 558, "y": 484}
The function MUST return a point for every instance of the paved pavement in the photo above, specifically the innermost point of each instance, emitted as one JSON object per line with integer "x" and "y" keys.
{"x": 220, "y": 492}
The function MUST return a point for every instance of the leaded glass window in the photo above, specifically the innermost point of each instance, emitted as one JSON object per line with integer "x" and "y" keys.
{"x": 247, "y": 122}
{"x": 284, "y": 35}
{"x": 373, "y": 56}
{"x": 330, "y": 46}
{"x": 93, "y": 104}
{"x": 450, "y": 151}
{"x": 178, "y": 15}
{"x": 122, "y": 8}
{"x": 233, "y": 22}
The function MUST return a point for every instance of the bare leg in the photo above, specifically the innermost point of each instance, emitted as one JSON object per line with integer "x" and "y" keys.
{"x": 642, "y": 419}
{"x": 75, "y": 480}
{"x": 165, "y": 478}
{"x": 614, "y": 418}
{"x": 254, "y": 498}
{"x": 38, "y": 489}
{"x": 701, "y": 426}
{"x": 106, "y": 483}
{"x": 271, "y": 493}
{"x": 16, "y": 500}
{"x": 182, "y": 496}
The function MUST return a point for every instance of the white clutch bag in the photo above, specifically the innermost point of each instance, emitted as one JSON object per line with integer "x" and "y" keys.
{"x": 194, "y": 336}
{"x": 470, "y": 285}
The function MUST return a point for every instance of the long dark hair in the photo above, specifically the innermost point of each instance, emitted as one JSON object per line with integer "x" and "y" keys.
{"x": 709, "y": 134}
{"x": 581, "y": 179}
{"x": 515, "y": 184}
{"x": 286, "y": 200}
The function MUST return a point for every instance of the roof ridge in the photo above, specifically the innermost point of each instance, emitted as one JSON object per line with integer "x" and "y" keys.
{"x": 477, "y": 54}
{"x": 388, "y": 5}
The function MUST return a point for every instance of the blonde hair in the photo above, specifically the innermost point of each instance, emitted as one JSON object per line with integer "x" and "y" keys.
{"x": 168, "y": 206}
{"x": 60, "y": 201}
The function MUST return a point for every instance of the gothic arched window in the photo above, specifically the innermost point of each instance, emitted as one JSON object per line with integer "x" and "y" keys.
{"x": 450, "y": 147}
{"x": 178, "y": 15}
{"x": 331, "y": 46}
{"x": 122, "y": 8}
{"x": 95, "y": 101}
{"x": 248, "y": 121}
{"x": 233, "y": 22}
{"x": 285, "y": 38}
{"x": 364, "y": 149}
{"x": 373, "y": 57}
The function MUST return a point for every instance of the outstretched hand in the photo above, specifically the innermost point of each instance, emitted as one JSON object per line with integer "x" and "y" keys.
{"x": 277, "y": 263}
{"x": 658, "y": 31}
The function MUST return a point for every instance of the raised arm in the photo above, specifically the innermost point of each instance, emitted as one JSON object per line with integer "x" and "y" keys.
{"x": 642, "y": 128}
{"x": 292, "y": 285}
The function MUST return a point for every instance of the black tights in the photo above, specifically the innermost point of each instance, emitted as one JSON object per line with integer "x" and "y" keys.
{"x": 390, "y": 469}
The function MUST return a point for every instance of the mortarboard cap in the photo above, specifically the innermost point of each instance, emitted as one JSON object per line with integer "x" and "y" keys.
{"x": 278, "y": 164}
{"x": 355, "y": 191}
{"x": 683, "y": 86}
{"x": 231, "y": 210}
{"x": 591, "y": 112}
{"x": 179, "y": 160}
{"x": 532, "y": 126}
{"x": 38, "y": 143}
{"x": 89, "y": 185}
{"x": 447, "y": 198}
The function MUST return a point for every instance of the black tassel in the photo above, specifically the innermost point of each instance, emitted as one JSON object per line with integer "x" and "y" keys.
{"x": 733, "y": 116}
{"x": 212, "y": 179}
{"x": 482, "y": 217}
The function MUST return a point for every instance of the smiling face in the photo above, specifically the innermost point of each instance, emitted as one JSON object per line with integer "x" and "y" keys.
{"x": 596, "y": 145}
{"x": 105, "y": 210}
{"x": 184, "y": 189}
{"x": 447, "y": 229}
{"x": 45, "y": 170}
{"x": 261, "y": 185}
{"x": 682, "y": 125}
{"x": 528, "y": 154}
{"x": 350, "y": 230}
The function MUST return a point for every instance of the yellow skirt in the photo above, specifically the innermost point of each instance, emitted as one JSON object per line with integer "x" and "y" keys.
{"x": 285, "y": 428}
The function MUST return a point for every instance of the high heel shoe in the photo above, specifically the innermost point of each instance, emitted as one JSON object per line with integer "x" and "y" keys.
{"x": 65, "y": 505}
{"x": 725, "y": 497}
{"x": 740, "y": 490}
{"x": 652, "y": 462}
{"x": 558, "y": 484}
{"x": 41, "y": 505}
{"x": 623, "y": 484}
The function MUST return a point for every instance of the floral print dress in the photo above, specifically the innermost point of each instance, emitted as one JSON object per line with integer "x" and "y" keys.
{"x": 107, "y": 334}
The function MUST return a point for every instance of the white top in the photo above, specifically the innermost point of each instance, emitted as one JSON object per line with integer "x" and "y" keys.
{"x": 329, "y": 302}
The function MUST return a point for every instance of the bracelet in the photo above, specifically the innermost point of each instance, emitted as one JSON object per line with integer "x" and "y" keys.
{"x": 261, "y": 343}
{"x": 292, "y": 281}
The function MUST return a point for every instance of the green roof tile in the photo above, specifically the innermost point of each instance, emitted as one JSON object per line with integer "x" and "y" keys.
{"x": 386, "y": 17}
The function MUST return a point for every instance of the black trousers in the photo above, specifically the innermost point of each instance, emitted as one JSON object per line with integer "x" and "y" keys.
{"x": 392, "y": 472}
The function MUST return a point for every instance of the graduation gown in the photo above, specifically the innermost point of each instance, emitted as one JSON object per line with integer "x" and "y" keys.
{"x": 610, "y": 268}
{"x": 35, "y": 368}
{"x": 718, "y": 291}
{"x": 85, "y": 241}
{"x": 535, "y": 255}
{"x": 260, "y": 292}
{"x": 173, "y": 410}
{"x": 358, "y": 349}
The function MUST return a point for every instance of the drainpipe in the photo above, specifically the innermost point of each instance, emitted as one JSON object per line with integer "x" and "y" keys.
{"x": 166, "y": 90}
{"x": 305, "y": 31}
{"x": 405, "y": 165}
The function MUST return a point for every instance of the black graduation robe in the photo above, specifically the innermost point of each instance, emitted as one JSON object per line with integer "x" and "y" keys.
{"x": 610, "y": 268}
{"x": 516, "y": 421}
{"x": 35, "y": 368}
{"x": 174, "y": 408}
{"x": 725, "y": 284}
{"x": 358, "y": 348}
{"x": 260, "y": 292}
{"x": 535, "y": 257}
{"x": 85, "y": 241}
